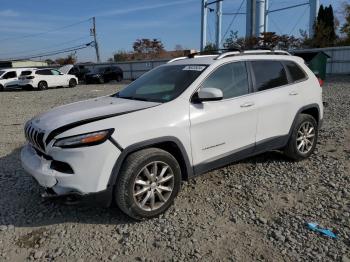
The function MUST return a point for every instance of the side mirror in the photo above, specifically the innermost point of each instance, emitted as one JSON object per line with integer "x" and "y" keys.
{"x": 208, "y": 94}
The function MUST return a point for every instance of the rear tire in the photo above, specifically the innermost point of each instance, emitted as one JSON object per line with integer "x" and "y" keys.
{"x": 72, "y": 83}
{"x": 119, "y": 78}
{"x": 42, "y": 85}
{"x": 303, "y": 139}
{"x": 148, "y": 183}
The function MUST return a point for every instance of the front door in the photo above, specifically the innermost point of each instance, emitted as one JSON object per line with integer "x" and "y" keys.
{"x": 57, "y": 78}
{"x": 221, "y": 130}
{"x": 11, "y": 78}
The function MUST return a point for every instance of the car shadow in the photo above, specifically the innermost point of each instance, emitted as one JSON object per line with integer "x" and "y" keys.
{"x": 19, "y": 89}
{"x": 21, "y": 204}
{"x": 269, "y": 156}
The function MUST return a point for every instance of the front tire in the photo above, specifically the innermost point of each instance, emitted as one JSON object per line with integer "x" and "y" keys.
{"x": 148, "y": 183}
{"x": 72, "y": 83}
{"x": 303, "y": 139}
{"x": 42, "y": 85}
{"x": 1, "y": 88}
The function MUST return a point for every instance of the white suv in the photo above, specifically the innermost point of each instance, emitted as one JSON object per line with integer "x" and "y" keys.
{"x": 9, "y": 77}
{"x": 44, "y": 78}
{"x": 177, "y": 121}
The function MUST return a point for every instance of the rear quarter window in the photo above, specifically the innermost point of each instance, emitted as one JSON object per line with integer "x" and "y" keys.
{"x": 295, "y": 72}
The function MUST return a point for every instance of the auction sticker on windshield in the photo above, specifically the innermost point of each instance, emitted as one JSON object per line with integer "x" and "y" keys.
{"x": 194, "y": 68}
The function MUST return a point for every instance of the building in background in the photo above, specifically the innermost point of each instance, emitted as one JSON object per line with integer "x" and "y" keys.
{"x": 23, "y": 63}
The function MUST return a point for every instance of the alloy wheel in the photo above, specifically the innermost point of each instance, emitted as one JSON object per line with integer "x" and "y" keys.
{"x": 305, "y": 137}
{"x": 153, "y": 185}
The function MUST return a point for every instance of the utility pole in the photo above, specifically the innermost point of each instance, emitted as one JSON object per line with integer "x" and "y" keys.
{"x": 266, "y": 22}
{"x": 250, "y": 18}
{"x": 218, "y": 23}
{"x": 314, "y": 6}
{"x": 204, "y": 12}
{"x": 93, "y": 32}
{"x": 260, "y": 17}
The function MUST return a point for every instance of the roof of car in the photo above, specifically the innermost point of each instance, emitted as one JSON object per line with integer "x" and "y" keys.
{"x": 234, "y": 56}
{"x": 16, "y": 68}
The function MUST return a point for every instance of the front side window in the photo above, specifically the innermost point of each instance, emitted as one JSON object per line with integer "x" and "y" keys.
{"x": 163, "y": 83}
{"x": 268, "y": 74}
{"x": 231, "y": 79}
{"x": 11, "y": 74}
{"x": 55, "y": 72}
{"x": 44, "y": 72}
{"x": 295, "y": 71}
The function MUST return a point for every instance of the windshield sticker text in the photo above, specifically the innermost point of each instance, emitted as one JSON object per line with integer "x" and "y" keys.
{"x": 194, "y": 68}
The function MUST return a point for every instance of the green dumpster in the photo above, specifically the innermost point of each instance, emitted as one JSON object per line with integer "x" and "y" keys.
{"x": 316, "y": 61}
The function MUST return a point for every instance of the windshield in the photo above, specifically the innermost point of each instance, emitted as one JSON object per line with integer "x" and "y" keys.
{"x": 1, "y": 73}
{"x": 163, "y": 83}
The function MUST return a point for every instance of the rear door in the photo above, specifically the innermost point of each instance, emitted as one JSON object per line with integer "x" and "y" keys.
{"x": 274, "y": 100}
{"x": 220, "y": 129}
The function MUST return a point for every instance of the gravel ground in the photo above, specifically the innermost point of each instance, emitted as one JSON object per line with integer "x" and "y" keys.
{"x": 254, "y": 210}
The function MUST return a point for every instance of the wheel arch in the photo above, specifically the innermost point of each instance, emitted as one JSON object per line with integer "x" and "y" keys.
{"x": 170, "y": 144}
{"x": 311, "y": 109}
{"x": 47, "y": 84}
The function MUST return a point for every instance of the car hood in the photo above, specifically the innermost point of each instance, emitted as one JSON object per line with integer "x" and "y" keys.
{"x": 65, "y": 69}
{"x": 87, "y": 111}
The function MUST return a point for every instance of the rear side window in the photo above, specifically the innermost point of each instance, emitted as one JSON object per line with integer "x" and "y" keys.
{"x": 44, "y": 72}
{"x": 26, "y": 73}
{"x": 295, "y": 71}
{"x": 231, "y": 78}
{"x": 269, "y": 74}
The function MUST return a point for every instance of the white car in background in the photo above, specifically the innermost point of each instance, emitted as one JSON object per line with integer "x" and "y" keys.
{"x": 9, "y": 77}
{"x": 46, "y": 77}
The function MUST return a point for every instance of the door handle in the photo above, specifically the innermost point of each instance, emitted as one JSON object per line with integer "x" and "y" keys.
{"x": 293, "y": 93}
{"x": 247, "y": 104}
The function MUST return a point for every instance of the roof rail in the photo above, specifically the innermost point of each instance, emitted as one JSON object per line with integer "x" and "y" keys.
{"x": 228, "y": 54}
{"x": 177, "y": 58}
{"x": 253, "y": 52}
{"x": 185, "y": 57}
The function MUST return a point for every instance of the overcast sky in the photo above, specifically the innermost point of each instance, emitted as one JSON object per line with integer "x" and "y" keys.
{"x": 28, "y": 27}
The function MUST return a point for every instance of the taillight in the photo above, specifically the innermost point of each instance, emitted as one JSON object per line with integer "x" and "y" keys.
{"x": 320, "y": 81}
{"x": 30, "y": 77}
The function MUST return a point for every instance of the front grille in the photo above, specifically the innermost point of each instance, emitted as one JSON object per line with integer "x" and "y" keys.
{"x": 35, "y": 136}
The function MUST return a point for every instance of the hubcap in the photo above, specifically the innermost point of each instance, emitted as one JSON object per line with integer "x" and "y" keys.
{"x": 153, "y": 185}
{"x": 305, "y": 137}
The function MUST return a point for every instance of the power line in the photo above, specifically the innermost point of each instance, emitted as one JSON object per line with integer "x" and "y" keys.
{"x": 61, "y": 51}
{"x": 298, "y": 20}
{"x": 47, "y": 47}
{"x": 275, "y": 24}
{"x": 46, "y": 32}
{"x": 233, "y": 19}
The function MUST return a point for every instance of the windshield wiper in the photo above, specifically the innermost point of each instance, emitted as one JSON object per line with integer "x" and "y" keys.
{"x": 135, "y": 98}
